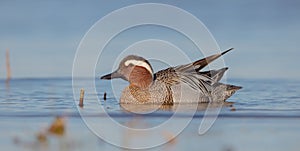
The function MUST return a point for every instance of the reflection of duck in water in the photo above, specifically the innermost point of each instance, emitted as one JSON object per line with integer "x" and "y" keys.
{"x": 168, "y": 86}
{"x": 180, "y": 108}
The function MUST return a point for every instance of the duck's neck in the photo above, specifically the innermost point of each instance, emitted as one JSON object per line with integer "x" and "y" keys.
{"x": 140, "y": 77}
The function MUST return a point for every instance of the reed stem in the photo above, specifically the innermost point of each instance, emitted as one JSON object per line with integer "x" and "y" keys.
{"x": 81, "y": 97}
{"x": 8, "y": 70}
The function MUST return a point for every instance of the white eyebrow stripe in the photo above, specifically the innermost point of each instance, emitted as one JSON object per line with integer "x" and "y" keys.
{"x": 139, "y": 63}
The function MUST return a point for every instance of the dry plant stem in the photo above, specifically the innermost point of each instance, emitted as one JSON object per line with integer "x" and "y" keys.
{"x": 81, "y": 97}
{"x": 8, "y": 70}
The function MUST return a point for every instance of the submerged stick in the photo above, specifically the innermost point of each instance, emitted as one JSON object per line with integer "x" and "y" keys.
{"x": 104, "y": 96}
{"x": 8, "y": 70}
{"x": 81, "y": 97}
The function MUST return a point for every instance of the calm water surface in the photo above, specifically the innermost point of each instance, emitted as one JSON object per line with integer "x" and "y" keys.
{"x": 265, "y": 115}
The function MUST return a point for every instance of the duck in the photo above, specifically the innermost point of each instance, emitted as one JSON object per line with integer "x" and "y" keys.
{"x": 179, "y": 84}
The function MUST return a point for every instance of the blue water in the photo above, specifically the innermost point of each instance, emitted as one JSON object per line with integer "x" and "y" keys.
{"x": 264, "y": 116}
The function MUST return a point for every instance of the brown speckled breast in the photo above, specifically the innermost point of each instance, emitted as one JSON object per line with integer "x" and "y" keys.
{"x": 157, "y": 93}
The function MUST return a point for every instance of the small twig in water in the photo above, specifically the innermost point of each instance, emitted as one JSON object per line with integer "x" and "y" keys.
{"x": 81, "y": 97}
{"x": 104, "y": 96}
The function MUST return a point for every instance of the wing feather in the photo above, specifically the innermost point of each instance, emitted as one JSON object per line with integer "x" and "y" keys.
{"x": 190, "y": 74}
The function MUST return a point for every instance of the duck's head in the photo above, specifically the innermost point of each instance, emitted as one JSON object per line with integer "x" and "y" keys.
{"x": 134, "y": 69}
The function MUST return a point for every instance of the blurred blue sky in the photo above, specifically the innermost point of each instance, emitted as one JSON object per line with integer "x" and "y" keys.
{"x": 43, "y": 35}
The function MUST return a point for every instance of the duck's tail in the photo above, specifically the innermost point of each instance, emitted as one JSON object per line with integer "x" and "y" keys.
{"x": 222, "y": 91}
